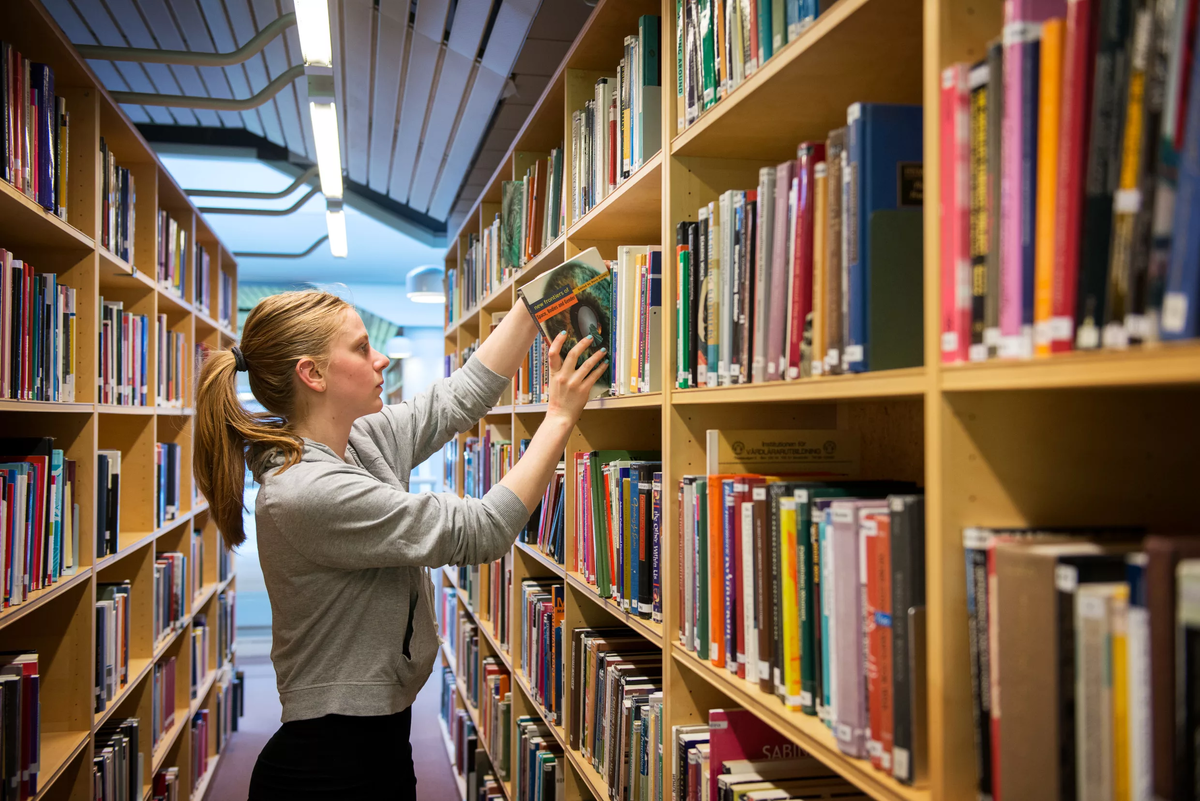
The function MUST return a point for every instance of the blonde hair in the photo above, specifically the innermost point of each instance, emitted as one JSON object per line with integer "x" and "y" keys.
{"x": 280, "y": 330}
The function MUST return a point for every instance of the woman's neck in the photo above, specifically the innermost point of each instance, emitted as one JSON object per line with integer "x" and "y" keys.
{"x": 332, "y": 432}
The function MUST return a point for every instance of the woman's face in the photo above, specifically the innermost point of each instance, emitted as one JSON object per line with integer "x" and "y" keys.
{"x": 355, "y": 381}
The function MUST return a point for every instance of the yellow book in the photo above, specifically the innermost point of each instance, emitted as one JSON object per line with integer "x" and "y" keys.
{"x": 789, "y": 603}
{"x": 1119, "y": 654}
{"x": 816, "y": 349}
{"x": 1049, "y": 123}
{"x": 719, "y": 35}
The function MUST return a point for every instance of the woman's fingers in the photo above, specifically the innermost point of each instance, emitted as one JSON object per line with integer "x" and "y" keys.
{"x": 595, "y": 374}
{"x": 556, "y": 351}
{"x": 577, "y": 352}
{"x": 587, "y": 367}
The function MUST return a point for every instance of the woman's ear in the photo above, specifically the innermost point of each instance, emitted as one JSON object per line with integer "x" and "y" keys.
{"x": 310, "y": 374}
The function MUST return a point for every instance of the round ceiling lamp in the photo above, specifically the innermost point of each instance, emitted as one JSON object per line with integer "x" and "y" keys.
{"x": 424, "y": 285}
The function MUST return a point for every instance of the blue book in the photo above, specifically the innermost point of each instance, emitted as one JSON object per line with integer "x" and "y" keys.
{"x": 1180, "y": 315}
{"x": 795, "y": 14}
{"x": 56, "y": 513}
{"x": 765, "y": 49}
{"x": 1031, "y": 71}
{"x": 884, "y": 155}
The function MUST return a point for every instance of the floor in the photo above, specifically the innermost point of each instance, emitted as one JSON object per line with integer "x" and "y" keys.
{"x": 232, "y": 780}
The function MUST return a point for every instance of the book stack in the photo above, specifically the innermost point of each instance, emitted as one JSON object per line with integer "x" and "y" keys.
{"x": 202, "y": 292}
{"x": 226, "y": 621}
{"x": 635, "y": 333}
{"x": 170, "y": 593}
{"x": 113, "y": 611}
{"x": 1092, "y": 639}
{"x": 118, "y": 766}
{"x": 21, "y": 725}
{"x": 546, "y": 529}
{"x": 226, "y": 711}
{"x": 198, "y": 560}
{"x": 33, "y": 149}
{"x": 446, "y": 612}
{"x": 494, "y": 703}
{"x": 619, "y": 129}
{"x": 1070, "y": 181}
{"x": 167, "y": 786}
{"x": 124, "y": 344}
{"x": 485, "y": 463}
{"x": 108, "y": 502}
{"x": 117, "y": 204}
{"x": 39, "y": 516}
{"x": 226, "y": 302}
{"x": 541, "y": 643}
{"x": 168, "y": 469}
{"x": 719, "y": 44}
{"x": 172, "y": 253}
{"x": 224, "y": 562}
{"x": 616, "y": 704}
{"x": 485, "y": 588}
{"x": 736, "y": 755}
{"x": 170, "y": 361}
{"x": 618, "y": 508}
{"x": 473, "y": 260}
{"x": 37, "y": 333}
{"x": 162, "y": 701}
{"x": 466, "y": 655}
{"x": 837, "y": 570}
{"x": 454, "y": 306}
{"x": 199, "y": 747}
{"x": 532, "y": 215}
{"x": 469, "y": 759}
{"x": 540, "y": 773}
{"x": 816, "y": 271}
{"x": 450, "y": 457}
{"x": 199, "y": 653}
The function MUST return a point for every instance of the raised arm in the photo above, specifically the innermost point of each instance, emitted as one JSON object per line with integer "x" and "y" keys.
{"x": 505, "y": 348}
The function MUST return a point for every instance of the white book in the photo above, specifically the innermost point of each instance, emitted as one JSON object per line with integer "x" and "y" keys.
{"x": 762, "y": 271}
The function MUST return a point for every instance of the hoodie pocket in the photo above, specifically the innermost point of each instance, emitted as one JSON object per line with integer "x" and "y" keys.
{"x": 413, "y": 600}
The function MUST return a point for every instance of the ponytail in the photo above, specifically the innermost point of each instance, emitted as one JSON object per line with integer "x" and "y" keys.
{"x": 279, "y": 331}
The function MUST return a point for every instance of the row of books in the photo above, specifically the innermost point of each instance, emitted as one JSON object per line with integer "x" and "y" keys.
{"x": 226, "y": 626}
{"x": 539, "y": 772}
{"x": 113, "y": 612}
{"x": 450, "y": 457}
{"x": 230, "y": 693}
{"x": 39, "y": 516}
{"x": 532, "y": 213}
{"x": 162, "y": 701}
{"x": 620, "y": 128}
{"x": 124, "y": 342}
{"x": 226, "y": 299}
{"x": 494, "y": 704}
{"x": 37, "y": 333}
{"x": 20, "y": 724}
{"x": 446, "y": 612}
{"x": 118, "y": 764}
{"x": 533, "y": 376}
{"x": 618, "y": 520}
{"x": 484, "y": 463}
{"x": 541, "y": 643}
{"x": 721, "y": 43}
{"x": 1092, "y": 639}
{"x": 33, "y": 149}
{"x": 466, "y": 658}
{"x": 616, "y": 709}
{"x": 224, "y": 562}
{"x": 199, "y": 742}
{"x": 546, "y": 529}
{"x": 197, "y": 563}
{"x": 167, "y": 786}
{"x": 469, "y": 759}
{"x": 118, "y": 203}
{"x": 200, "y": 649}
{"x": 486, "y": 589}
{"x": 168, "y": 471}
{"x": 816, "y": 271}
{"x": 172, "y": 600}
{"x": 108, "y": 502}
{"x": 202, "y": 291}
{"x": 1068, "y": 183}
{"x": 172, "y": 253}
{"x": 171, "y": 363}
{"x": 738, "y": 756}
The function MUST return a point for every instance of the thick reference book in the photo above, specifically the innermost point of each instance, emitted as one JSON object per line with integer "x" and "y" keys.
{"x": 575, "y": 297}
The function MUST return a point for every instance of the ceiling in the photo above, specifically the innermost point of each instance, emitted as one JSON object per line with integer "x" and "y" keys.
{"x": 420, "y": 84}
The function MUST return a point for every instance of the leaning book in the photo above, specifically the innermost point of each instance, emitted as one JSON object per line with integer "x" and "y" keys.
{"x": 575, "y": 297}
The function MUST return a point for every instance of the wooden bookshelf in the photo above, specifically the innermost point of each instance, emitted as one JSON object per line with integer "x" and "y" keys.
{"x": 59, "y": 621}
{"x": 1100, "y": 437}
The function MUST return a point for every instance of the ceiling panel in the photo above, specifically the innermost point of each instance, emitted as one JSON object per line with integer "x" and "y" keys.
{"x": 218, "y": 26}
{"x": 390, "y": 50}
{"x": 197, "y": 37}
{"x": 357, "y": 44}
{"x": 255, "y": 67}
{"x": 166, "y": 35}
{"x": 278, "y": 62}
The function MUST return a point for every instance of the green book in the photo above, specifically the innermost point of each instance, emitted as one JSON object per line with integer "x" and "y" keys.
{"x": 683, "y": 311}
{"x": 511, "y": 202}
{"x": 895, "y": 300}
{"x": 708, "y": 55}
{"x": 778, "y": 23}
{"x": 765, "y": 46}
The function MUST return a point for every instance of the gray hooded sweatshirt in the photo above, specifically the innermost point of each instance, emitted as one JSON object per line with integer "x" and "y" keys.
{"x": 343, "y": 545}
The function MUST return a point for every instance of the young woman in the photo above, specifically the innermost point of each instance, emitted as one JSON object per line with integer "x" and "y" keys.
{"x": 341, "y": 540}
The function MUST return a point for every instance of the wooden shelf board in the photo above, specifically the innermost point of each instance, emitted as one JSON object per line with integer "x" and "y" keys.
{"x": 112, "y": 408}
{"x": 630, "y": 213}
{"x": 202, "y": 506}
{"x": 909, "y": 382}
{"x": 46, "y": 406}
{"x": 1166, "y": 364}
{"x": 23, "y": 223}
{"x": 56, "y": 750}
{"x": 108, "y": 561}
{"x": 172, "y": 411}
{"x": 546, "y": 561}
{"x": 39, "y": 598}
{"x": 139, "y": 668}
{"x": 202, "y": 693}
{"x": 858, "y": 50}
{"x": 643, "y": 400}
{"x": 172, "y": 302}
{"x": 203, "y": 321}
{"x": 448, "y": 654}
{"x": 500, "y": 411}
{"x": 204, "y": 596}
{"x": 806, "y": 731}
{"x": 165, "y": 642}
{"x": 206, "y": 779}
{"x": 485, "y": 628}
{"x": 472, "y": 712}
{"x": 594, "y": 781}
{"x": 647, "y": 628}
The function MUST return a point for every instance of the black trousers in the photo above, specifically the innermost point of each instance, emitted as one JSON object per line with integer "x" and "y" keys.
{"x": 337, "y": 757}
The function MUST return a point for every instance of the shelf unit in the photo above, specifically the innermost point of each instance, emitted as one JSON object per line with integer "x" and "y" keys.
{"x": 1081, "y": 438}
{"x": 59, "y": 621}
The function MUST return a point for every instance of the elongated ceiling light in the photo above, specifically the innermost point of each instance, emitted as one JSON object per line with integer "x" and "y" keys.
{"x": 312, "y": 20}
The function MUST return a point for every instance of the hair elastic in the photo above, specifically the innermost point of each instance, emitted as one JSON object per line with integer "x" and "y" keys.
{"x": 239, "y": 359}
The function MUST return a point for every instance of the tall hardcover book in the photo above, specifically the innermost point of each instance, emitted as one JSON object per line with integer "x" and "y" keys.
{"x": 1181, "y": 303}
{"x": 981, "y": 219}
{"x": 738, "y": 734}
{"x": 801, "y": 284}
{"x": 908, "y": 592}
{"x": 1048, "y": 138}
{"x": 955, "y": 213}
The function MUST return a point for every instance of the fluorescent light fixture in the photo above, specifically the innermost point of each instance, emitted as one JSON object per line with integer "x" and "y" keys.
{"x": 336, "y": 222}
{"x": 399, "y": 347}
{"x": 424, "y": 285}
{"x": 312, "y": 22}
{"x": 329, "y": 149}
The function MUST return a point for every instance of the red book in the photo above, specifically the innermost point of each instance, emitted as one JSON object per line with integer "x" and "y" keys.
{"x": 879, "y": 581}
{"x": 1078, "y": 59}
{"x": 801, "y": 290}
{"x": 739, "y": 734}
{"x": 874, "y": 637}
{"x": 955, "y": 211}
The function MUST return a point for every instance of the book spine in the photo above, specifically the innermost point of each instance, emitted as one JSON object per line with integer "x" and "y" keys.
{"x": 853, "y": 311}
{"x": 1181, "y": 302}
{"x": 809, "y": 153}
{"x": 851, "y": 702}
{"x": 975, "y": 543}
{"x": 955, "y": 213}
{"x": 779, "y": 274}
{"x": 834, "y": 287}
{"x": 1049, "y": 127}
{"x": 979, "y": 211}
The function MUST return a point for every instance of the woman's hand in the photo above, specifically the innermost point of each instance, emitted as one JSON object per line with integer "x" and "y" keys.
{"x": 570, "y": 385}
